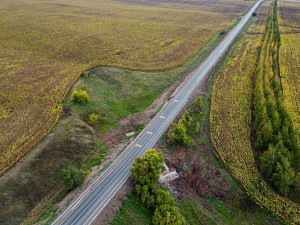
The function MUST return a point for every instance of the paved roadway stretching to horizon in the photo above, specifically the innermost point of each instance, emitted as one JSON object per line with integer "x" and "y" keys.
{"x": 89, "y": 205}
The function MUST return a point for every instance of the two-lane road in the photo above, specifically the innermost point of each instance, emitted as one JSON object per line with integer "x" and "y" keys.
{"x": 88, "y": 206}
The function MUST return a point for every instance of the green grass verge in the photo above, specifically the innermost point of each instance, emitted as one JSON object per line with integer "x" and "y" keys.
{"x": 195, "y": 214}
{"x": 133, "y": 211}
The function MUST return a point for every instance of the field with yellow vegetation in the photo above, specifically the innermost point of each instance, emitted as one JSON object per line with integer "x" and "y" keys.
{"x": 289, "y": 60}
{"x": 259, "y": 23}
{"x": 46, "y": 45}
{"x": 230, "y": 121}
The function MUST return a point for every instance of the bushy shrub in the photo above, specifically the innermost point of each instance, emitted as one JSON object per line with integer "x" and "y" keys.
{"x": 83, "y": 87}
{"x": 163, "y": 197}
{"x": 93, "y": 118}
{"x": 86, "y": 74}
{"x": 71, "y": 177}
{"x": 80, "y": 97}
{"x": 145, "y": 173}
{"x": 167, "y": 215}
{"x": 199, "y": 102}
{"x": 178, "y": 135}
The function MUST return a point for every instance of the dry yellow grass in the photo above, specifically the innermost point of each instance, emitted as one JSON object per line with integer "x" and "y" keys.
{"x": 45, "y": 45}
{"x": 289, "y": 60}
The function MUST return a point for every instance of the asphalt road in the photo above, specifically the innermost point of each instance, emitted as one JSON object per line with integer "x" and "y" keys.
{"x": 89, "y": 205}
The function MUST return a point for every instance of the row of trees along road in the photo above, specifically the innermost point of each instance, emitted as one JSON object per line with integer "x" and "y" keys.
{"x": 145, "y": 173}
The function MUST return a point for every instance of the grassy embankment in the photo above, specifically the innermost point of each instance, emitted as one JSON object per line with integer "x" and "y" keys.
{"x": 230, "y": 120}
{"x": 45, "y": 46}
{"x": 219, "y": 199}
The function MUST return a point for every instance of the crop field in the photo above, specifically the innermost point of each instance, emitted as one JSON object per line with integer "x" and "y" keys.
{"x": 260, "y": 21}
{"x": 230, "y": 121}
{"x": 46, "y": 45}
{"x": 289, "y": 60}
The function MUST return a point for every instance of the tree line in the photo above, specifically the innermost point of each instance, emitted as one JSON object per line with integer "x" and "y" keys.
{"x": 275, "y": 135}
{"x": 145, "y": 174}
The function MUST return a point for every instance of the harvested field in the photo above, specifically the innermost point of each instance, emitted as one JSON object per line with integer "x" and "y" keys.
{"x": 45, "y": 45}
{"x": 230, "y": 121}
{"x": 259, "y": 24}
{"x": 289, "y": 27}
{"x": 288, "y": 17}
{"x": 112, "y": 98}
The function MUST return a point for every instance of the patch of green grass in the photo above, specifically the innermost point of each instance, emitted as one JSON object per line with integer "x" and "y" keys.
{"x": 45, "y": 215}
{"x": 195, "y": 214}
{"x": 116, "y": 94}
{"x": 96, "y": 160}
{"x": 133, "y": 212}
{"x": 225, "y": 212}
{"x": 240, "y": 210}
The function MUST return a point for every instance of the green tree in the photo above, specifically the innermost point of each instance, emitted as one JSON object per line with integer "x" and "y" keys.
{"x": 281, "y": 148}
{"x": 146, "y": 194}
{"x": 268, "y": 161}
{"x": 186, "y": 119}
{"x": 276, "y": 121}
{"x": 265, "y": 136}
{"x": 260, "y": 113}
{"x": 167, "y": 215}
{"x": 197, "y": 128}
{"x": 80, "y": 97}
{"x": 71, "y": 177}
{"x": 271, "y": 105}
{"x": 177, "y": 135}
{"x": 199, "y": 102}
{"x": 145, "y": 173}
{"x": 283, "y": 175}
{"x": 163, "y": 197}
